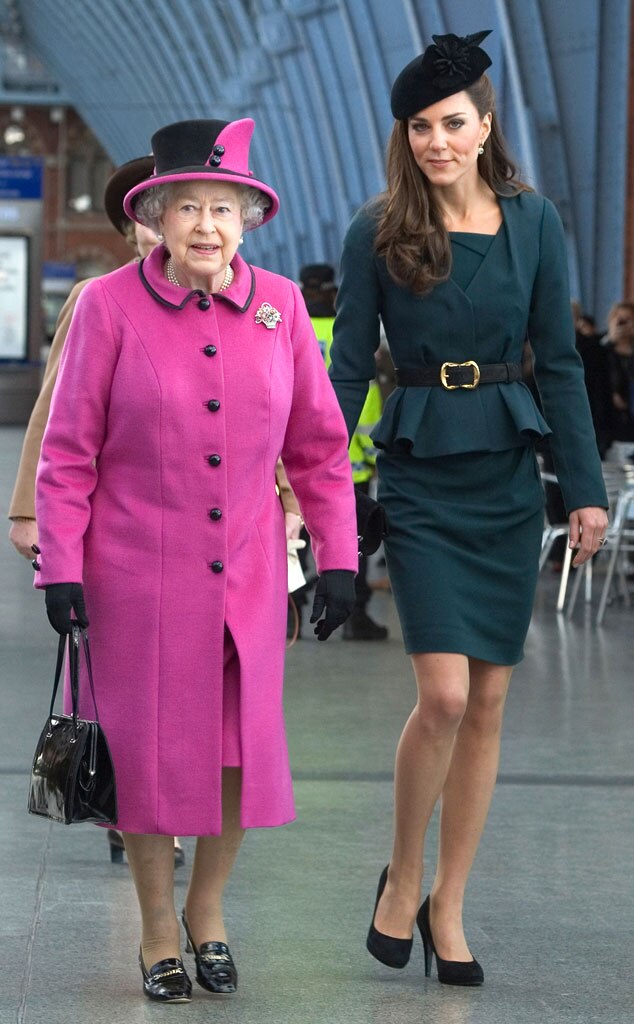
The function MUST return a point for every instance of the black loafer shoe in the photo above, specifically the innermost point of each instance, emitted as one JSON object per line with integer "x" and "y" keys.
{"x": 166, "y": 981}
{"x": 215, "y": 969}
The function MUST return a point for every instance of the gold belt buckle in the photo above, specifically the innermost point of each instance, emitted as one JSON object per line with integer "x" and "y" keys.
{"x": 453, "y": 387}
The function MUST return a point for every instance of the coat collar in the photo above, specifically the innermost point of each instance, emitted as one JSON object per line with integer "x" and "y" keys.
{"x": 239, "y": 294}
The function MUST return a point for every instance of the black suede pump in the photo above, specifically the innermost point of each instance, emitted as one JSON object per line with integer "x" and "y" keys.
{"x": 450, "y": 972}
{"x": 390, "y": 951}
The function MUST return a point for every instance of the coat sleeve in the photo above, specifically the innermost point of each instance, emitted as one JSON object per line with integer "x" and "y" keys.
{"x": 23, "y": 498}
{"x": 315, "y": 452}
{"x": 67, "y": 471}
{"x": 559, "y": 373}
{"x": 356, "y": 333}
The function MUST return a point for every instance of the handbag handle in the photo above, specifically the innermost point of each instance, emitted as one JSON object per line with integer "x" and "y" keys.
{"x": 73, "y": 662}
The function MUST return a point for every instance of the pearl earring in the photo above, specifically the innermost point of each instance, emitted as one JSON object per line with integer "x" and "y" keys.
{"x": 161, "y": 236}
{"x": 480, "y": 149}
{"x": 241, "y": 240}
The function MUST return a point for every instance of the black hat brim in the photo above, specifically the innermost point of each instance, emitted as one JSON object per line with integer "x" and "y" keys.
{"x": 120, "y": 183}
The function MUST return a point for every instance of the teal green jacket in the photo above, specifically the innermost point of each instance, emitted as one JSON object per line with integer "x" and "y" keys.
{"x": 520, "y": 291}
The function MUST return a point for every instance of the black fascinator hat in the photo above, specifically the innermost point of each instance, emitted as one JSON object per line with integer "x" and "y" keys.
{"x": 449, "y": 65}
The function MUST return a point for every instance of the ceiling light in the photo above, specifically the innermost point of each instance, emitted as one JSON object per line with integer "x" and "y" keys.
{"x": 14, "y": 134}
{"x": 81, "y": 204}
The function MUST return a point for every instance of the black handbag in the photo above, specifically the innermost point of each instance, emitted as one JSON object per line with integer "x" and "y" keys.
{"x": 72, "y": 778}
{"x": 372, "y": 524}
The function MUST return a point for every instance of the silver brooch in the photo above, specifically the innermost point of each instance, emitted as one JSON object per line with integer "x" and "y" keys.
{"x": 268, "y": 315}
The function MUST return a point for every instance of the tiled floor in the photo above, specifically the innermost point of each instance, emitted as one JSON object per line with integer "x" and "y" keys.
{"x": 550, "y": 909}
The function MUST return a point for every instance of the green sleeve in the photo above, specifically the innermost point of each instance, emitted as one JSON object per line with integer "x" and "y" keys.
{"x": 356, "y": 334}
{"x": 559, "y": 372}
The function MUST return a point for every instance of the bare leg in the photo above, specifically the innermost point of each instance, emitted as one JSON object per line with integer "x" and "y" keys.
{"x": 466, "y": 798}
{"x": 422, "y": 763}
{"x": 213, "y": 862}
{"x": 151, "y": 860}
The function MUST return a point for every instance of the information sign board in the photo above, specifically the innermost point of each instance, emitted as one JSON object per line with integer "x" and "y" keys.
{"x": 14, "y": 294}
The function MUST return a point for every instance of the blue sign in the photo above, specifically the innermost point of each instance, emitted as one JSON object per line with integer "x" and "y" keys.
{"x": 20, "y": 177}
{"x": 52, "y": 269}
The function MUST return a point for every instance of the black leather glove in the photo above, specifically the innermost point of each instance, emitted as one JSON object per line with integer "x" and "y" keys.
{"x": 61, "y": 599}
{"x": 335, "y": 595}
{"x": 372, "y": 524}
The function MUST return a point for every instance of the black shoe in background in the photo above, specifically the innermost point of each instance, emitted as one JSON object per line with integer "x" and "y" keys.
{"x": 361, "y": 627}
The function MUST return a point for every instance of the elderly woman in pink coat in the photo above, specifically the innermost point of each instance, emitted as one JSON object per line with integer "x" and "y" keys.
{"x": 183, "y": 379}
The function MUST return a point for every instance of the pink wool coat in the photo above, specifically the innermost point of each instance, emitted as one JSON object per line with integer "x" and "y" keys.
{"x": 156, "y": 489}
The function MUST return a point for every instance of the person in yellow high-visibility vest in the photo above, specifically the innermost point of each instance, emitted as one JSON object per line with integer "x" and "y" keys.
{"x": 319, "y": 291}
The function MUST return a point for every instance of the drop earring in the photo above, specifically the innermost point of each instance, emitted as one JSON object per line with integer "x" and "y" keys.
{"x": 161, "y": 236}
{"x": 480, "y": 149}
{"x": 241, "y": 240}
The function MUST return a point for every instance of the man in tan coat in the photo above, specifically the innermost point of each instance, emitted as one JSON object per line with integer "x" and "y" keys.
{"x": 23, "y": 532}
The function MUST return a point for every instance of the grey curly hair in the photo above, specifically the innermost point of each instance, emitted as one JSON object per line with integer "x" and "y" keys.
{"x": 151, "y": 205}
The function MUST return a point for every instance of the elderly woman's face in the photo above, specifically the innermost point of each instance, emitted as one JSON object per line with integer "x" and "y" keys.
{"x": 202, "y": 224}
{"x": 445, "y": 137}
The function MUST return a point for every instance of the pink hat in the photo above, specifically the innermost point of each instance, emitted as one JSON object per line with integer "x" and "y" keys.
{"x": 202, "y": 150}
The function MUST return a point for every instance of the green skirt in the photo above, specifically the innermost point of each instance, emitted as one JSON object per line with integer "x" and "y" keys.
{"x": 463, "y": 549}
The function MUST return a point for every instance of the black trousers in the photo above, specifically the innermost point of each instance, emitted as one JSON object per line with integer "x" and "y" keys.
{"x": 362, "y": 592}
{"x": 555, "y": 508}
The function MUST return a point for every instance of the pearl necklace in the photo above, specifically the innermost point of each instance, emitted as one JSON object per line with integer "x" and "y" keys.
{"x": 170, "y": 274}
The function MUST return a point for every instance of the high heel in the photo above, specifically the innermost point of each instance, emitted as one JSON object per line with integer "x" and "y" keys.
{"x": 390, "y": 951}
{"x": 166, "y": 981}
{"x": 117, "y": 849}
{"x": 450, "y": 972}
{"x": 179, "y": 854}
{"x": 215, "y": 969}
{"x": 115, "y": 841}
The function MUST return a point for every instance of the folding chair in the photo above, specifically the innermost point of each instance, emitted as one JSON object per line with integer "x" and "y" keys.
{"x": 619, "y": 482}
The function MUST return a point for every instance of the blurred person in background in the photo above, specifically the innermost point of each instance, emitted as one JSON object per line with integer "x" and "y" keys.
{"x": 318, "y": 286}
{"x": 619, "y": 344}
{"x": 597, "y": 376}
{"x": 23, "y": 532}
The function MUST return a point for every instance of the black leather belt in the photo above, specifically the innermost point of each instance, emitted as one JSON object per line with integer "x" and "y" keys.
{"x": 458, "y": 375}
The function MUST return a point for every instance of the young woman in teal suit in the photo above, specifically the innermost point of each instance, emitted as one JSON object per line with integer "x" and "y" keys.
{"x": 461, "y": 263}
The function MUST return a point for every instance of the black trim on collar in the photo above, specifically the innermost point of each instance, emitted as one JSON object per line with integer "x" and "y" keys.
{"x": 249, "y": 298}
{"x": 197, "y": 293}
{"x": 159, "y": 298}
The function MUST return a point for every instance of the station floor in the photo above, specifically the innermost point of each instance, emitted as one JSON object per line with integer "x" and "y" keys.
{"x": 550, "y": 907}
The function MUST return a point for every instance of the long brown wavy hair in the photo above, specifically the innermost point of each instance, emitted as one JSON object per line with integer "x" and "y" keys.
{"x": 411, "y": 235}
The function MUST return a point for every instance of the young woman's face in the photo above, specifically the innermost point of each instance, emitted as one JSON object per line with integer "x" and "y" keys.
{"x": 445, "y": 138}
